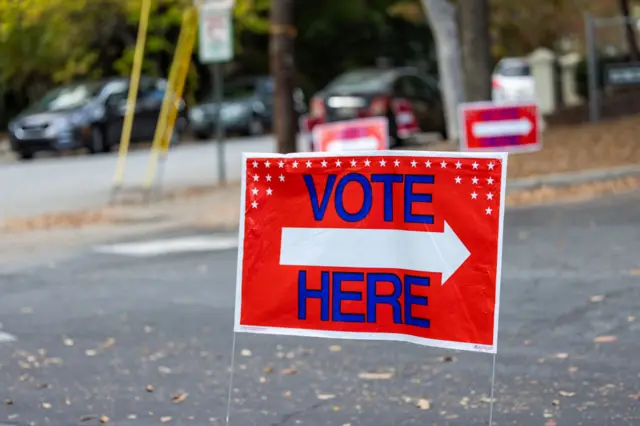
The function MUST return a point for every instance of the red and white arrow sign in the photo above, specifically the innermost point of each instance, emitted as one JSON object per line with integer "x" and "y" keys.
{"x": 441, "y": 252}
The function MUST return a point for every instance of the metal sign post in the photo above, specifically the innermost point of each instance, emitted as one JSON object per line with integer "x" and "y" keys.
{"x": 215, "y": 47}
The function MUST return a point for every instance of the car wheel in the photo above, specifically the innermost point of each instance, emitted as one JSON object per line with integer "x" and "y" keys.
{"x": 256, "y": 126}
{"x": 25, "y": 155}
{"x": 97, "y": 143}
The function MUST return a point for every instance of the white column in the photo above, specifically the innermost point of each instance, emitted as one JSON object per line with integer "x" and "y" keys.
{"x": 541, "y": 61}
{"x": 568, "y": 64}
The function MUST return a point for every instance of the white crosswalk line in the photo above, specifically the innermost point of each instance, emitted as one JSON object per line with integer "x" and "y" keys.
{"x": 168, "y": 246}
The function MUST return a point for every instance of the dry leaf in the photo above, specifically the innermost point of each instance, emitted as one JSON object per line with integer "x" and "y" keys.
{"x": 561, "y": 355}
{"x": 245, "y": 352}
{"x": 325, "y": 396}
{"x": 268, "y": 370}
{"x": 447, "y": 358}
{"x": 149, "y": 388}
{"x": 635, "y": 272}
{"x": 90, "y": 352}
{"x": 631, "y": 318}
{"x": 597, "y": 298}
{"x": 8, "y": 401}
{"x": 335, "y": 348}
{"x": 87, "y": 418}
{"x": 263, "y": 379}
{"x": 46, "y": 405}
{"x": 165, "y": 419}
{"x": 375, "y": 376}
{"x": 288, "y": 371}
{"x": 635, "y": 396}
{"x": 67, "y": 401}
{"x": 555, "y": 402}
{"x": 565, "y": 393}
{"x": 104, "y": 419}
{"x": 572, "y": 369}
{"x": 67, "y": 342}
{"x": 109, "y": 342}
{"x": 179, "y": 397}
{"x": 335, "y": 408}
{"x": 423, "y": 404}
{"x": 605, "y": 339}
{"x": 487, "y": 400}
{"x": 287, "y": 394}
{"x": 132, "y": 417}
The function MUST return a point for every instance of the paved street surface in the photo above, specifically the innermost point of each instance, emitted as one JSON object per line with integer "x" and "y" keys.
{"x": 85, "y": 335}
{"x": 71, "y": 183}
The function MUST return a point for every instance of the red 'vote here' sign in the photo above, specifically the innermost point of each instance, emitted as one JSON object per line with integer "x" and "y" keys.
{"x": 373, "y": 245}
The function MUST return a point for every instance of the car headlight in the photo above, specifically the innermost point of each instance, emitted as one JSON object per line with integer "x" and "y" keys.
{"x": 196, "y": 114}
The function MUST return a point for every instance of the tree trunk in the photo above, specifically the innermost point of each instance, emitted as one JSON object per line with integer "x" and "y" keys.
{"x": 631, "y": 34}
{"x": 442, "y": 20}
{"x": 281, "y": 49}
{"x": 476, "y": 49}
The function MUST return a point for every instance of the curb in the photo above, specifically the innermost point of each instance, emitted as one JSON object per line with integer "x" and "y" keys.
{"x": 571, "y": 178}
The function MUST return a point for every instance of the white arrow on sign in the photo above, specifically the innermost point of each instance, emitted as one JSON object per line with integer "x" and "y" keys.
{"x": 374, "y": 248}
{"x": 489, "y": 129}
{"x": 368, "y": 143}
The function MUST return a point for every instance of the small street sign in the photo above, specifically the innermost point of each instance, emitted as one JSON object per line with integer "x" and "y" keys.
{"x": 624, "y": 74}
{"x": 488, "y": 126}
{"x": 215, "y": 33}
{"x": 374, "y": 245}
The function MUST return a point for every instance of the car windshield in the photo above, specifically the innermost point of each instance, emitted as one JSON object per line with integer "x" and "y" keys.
{"x": 67, "y": 97}
{"x": 362, "y": 81}
{"x": 515, "y": 69}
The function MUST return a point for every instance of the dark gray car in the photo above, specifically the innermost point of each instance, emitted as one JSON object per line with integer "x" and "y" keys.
{"x": 89, "y": 115}
{"x": 247, "y": 108}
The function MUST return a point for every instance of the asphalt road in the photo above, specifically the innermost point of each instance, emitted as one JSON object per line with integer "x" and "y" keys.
{"x": 93, "y": 330}
{"x": 71, "y": 183}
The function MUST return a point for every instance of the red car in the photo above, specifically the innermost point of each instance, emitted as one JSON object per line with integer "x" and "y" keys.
{"x": 411, "y": 102}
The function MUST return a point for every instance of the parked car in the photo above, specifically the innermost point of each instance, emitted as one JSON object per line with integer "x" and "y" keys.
{"x": 247, "y": 108}
{"x": 89, "y": 115}
{"x": 411, "y": 101}
{"x": 512, "y": 81}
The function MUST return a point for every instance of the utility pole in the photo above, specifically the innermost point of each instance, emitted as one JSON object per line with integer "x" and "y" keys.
{"x": 281, "y": 59}
{"x": 630, "y": 32}
{"x": 476, "y": 48}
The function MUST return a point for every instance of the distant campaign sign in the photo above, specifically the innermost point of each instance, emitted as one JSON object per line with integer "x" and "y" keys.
{"x": 380, "y": 245}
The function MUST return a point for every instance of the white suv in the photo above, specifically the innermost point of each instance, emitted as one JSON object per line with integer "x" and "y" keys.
{"x": 512, "y": 81}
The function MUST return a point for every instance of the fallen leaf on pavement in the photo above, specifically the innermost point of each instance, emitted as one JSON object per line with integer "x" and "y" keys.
{"x": 335, "y": 408}
{"x": 551, "y": 422}
{"x": 179, "y": 397}
{"x": 597, "y": 298}
{"x": 132, "y": 417}
{"x": 561, "y": 355}
{"x": 631, "y": 318}
{"x": 67, "y": 342}
{"x": 263, "y": 379}
{"x": 335, "y": 348}
{"x": 8, "y": 401}
{"x": 555, "y": 402}
{"x": 149, "y": 388}
{"x": 635, "y": 396}
{"x": 605, "y": 339}
{"x": 572, "y": 369}
{"x": 245, "y": 352}
{"x": 375, "y": 376}
{"x": 46, "y": 405}
{"x": 447, "y": 358}
{"x": 268, "y": 370}
{"x": 104, "y": 419}
{"x": 423, "y": 404}
{"x": 90, "y": 352}
{"x": 87, "y": 418}
{"x": 287, "y": 394}
{"x": 325, "y": 396}
{"x": 288, "y": 371}
{"x": 565, "y": 393}
{"x": 635, "y": 272}
{"x": 67, "y": 401}
{"x": 109, "y": 342}
{"x": 165, "y": 419}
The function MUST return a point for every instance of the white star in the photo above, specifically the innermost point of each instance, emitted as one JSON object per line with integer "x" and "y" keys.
{"x": 458, "y": 165}
{"x": 281, "y": 178}
{"x": 353, "y": 163}
{"x": 255, "y": 164}
{"x": 255, "y": 191}
{"x": 488, "y": 210}
{"x": 269, "y": 191}
{"x": 338, "y": 163}
{"x": 458, "y": 179}
{"x": 281, "y": 164}
{"x": 490, "y": 181}
{"x": 474, "y": 180}
{"x": 475, "y": 166}
{"x": 443, "y": 164}
{"x": 396, "y": 163}
{"x": 474, "y": 196}
{"x": 413, "y": 163}
{"x": 489, "y": 196}
{"x": 295, "y": 164}
{"x": 367, "y": 163}
{"x": 308, "y": 164}
{"x": 383, "y": 163}
{"x": 255, "y": 178}
{"x": 254, "y": 204}
{"x": 491, "y": 165}
{"x": 428, "y": 164}
{"x": 267, "y": 164}
{"x": 324, "y": 163}
{"x": 268, "y": 178}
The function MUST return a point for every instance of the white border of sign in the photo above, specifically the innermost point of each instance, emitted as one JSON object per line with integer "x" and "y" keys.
{"x": 238, "y": 328}
{"x": 319, "y": 128}
{"x": 488, "y": 105}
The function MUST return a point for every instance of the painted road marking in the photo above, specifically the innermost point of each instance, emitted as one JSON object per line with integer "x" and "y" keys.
{"x": 168, "y": 246}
